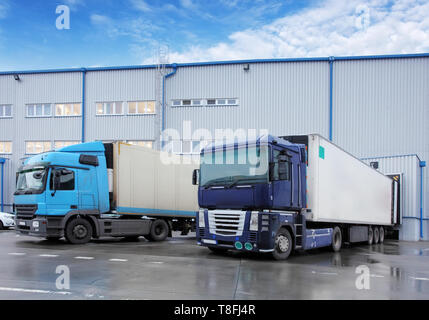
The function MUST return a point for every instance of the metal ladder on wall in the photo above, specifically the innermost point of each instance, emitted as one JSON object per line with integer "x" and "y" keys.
{"x": 162, "y": 61}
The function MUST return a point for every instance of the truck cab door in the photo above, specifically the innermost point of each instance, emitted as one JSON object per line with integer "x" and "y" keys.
{"x": 281, "y": 178}
{"x": 61, "y": 194}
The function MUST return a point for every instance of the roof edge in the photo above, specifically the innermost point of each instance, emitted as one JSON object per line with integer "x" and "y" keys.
{"x": 226, "y": 62}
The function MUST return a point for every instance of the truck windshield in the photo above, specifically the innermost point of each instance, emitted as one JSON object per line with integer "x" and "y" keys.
{"x": 31, "y": 180}
{"x": 234, "y": 167}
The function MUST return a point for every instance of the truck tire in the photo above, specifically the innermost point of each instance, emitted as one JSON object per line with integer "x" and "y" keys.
{"x": 78, "y": 231}
{"x": 282, "y": 244}
{"x": 381, "y": 240}
{"x": 376, "y": 235}
{"x": 337, "y": 239}
{"x": 158, "y": 230}
{"x": 217, "y": 250}
{"x": 1, "y": 225}
{"x": 370, "y": 235}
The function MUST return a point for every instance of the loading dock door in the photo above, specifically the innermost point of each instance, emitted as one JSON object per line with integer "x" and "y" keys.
{"x": 396, "y": 198}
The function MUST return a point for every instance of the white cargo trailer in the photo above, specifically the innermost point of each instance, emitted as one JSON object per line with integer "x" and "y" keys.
{"x": 343, "y": 189}
{"x": 151, "y": 182}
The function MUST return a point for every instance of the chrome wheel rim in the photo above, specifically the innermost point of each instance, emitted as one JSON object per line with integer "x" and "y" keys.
{"x": 282, "y": 243}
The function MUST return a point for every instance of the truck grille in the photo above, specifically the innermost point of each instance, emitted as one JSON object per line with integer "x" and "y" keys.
{"x": 226, "y": 223}
{"x": 25, "y": 211}
{"x": 201, "y": 232}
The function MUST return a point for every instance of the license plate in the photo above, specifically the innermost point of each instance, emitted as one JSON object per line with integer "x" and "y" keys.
{"x": 208, "y": 241}
{"x": 22, "y": 223}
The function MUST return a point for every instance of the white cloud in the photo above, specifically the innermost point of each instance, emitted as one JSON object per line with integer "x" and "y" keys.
{"x": 330, "y": 28}
{"x": 141, "y": 5}
{"x": 4, "y": 8}
{"x": 187, "y": 4}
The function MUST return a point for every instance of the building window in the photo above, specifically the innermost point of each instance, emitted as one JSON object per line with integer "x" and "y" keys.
{"x": 142, "y": 143}
{"x": 110, "y": 108}
{"x": 39, "y": 110}
{"x": 5, "y": 147}
{"x": 5, "y": 111}
{"x": 61, "y": 144}
{"x": 188, "y": 146}
{"x": 68, "y": 109}
{"x": 205, "y": 102}
{"x": 34, "y": 147}
{"x": 141, "y": 107}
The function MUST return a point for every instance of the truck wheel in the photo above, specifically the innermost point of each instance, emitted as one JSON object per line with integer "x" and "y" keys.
{"x": 217, "y": 250}
{"x": 337, "y": 239}
{"x": 1, "y": 225}
{"x": 376, "y": 235}
{"x": 381, "y": 240}
{"x": 282, "y": 244}
{"x": 78, "y": 231}
{"x": 158, "y": 230}
{"x": 370, "y": 236}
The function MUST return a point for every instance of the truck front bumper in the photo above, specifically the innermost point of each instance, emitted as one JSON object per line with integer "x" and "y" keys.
{"x": 39, "y": 227}
{"x": 247, "y": 242}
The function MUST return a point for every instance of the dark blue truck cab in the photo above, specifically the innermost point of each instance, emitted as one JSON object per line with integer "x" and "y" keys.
{"x": 252, "y": 197}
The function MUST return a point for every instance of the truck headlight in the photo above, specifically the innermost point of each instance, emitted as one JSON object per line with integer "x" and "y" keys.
{"x": 201, "y": 222}
{"x": 254, "y": 221}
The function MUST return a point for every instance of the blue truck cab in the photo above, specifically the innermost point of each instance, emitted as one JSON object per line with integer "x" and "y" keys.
{"x": 66, "y": 193}
{"x": 252, "y": 197}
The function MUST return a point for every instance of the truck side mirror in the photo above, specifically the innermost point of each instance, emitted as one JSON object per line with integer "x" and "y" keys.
{"x": 55, "y": 181}
{"x": 195, "y": 177}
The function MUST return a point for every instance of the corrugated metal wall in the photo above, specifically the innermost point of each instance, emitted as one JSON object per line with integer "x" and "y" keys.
{"x": 36, "y": 88}
{"x": 409, "y": 167}
{"x": 285, "y": 98}
{"x": 380, "y": 106}
{"x": 120, "y": 85}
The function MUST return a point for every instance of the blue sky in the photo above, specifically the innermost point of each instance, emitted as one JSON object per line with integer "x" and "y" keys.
{"x": 113, "y": 32}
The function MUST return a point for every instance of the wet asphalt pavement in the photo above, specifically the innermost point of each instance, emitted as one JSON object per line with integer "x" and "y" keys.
{"x": 179, "y": 269}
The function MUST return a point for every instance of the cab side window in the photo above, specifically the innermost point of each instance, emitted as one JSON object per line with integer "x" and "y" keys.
{"x": 281, "y": 166}
{"x": 65, "y": 179}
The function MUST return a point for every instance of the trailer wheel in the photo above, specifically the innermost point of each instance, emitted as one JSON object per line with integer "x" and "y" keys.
{"x": 158, "y": 230}
{"x": 376, "y": 235}
{"x": 78, "y": 231}
{"x": 337, "y": 239}
{"x": 370, "y": 236}
{"x": 381, "y": 240}
{"x": 282, "y": 244}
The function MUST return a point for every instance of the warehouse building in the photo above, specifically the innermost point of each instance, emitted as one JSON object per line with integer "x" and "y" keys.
{"x": 376, "y": 107}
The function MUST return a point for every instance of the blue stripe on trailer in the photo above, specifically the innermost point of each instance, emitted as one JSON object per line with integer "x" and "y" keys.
{"x": 157, "y": 212}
